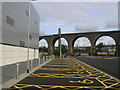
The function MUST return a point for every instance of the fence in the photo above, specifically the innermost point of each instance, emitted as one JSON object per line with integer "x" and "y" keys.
{"x": 13, "y": 72}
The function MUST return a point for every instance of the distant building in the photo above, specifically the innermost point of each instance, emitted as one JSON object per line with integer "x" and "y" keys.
{"x": 43, "y": 53}
{"x": 106, "y": 50}
{"x": 81, "y": 51}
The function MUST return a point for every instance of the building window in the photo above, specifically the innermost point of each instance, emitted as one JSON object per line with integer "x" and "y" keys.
{"x": 27, "y": 13}
{"x": 22, "y": 44}
{"x": 30, "y": 37}
{"x": 10, "y": 21}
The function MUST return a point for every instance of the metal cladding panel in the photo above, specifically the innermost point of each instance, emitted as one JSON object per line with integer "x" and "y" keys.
{"x": 34, "y": 28}
{"x": 0, "y": 24}
{"x": 19, "y": 31}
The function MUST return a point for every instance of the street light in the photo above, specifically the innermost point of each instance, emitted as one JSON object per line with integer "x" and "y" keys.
{"x": 28, "y": 67}
{"x": 0, "y": 46}
{"x": 59, "y": 32}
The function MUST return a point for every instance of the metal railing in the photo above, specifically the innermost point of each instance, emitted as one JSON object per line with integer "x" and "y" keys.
{"x": 13, "y": 71}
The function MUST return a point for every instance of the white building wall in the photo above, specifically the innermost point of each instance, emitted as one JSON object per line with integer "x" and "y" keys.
{"x": 12, "y": 35}
{"x": 19, "y": 32}
{"x": 11, "y": 50}
{"x": 31, "y": 54}
{"x": 12, "y": 54}
{"x": 36, "y": 53}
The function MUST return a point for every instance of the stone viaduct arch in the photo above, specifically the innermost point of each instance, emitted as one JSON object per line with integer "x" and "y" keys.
{"x": 92, "y": 36}
{"x": 43, "y": 39}
{"x": 49, "y": 42}
{"x": 78, "y": 38}
{"x": 54, "y": 40}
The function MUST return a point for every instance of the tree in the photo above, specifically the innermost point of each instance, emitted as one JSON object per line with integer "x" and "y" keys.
{"x": 64, "y": 49}
{"x": 43, "y": 49}
{"x": 57, "y": 50}
{"x": 100, "y": 46}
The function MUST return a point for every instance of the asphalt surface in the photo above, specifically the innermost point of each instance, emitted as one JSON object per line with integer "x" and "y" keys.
{"x": 67, "y": 74}
{"x": 108, "y": 65}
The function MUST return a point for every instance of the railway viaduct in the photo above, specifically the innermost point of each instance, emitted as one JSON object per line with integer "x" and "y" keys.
{"x": 72, "y": 37}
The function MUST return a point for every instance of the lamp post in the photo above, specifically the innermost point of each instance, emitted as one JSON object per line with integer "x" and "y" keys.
{"x": 53, "y": 48}
{"x": 0, "y": 46}
{"x": 28, "y": 67}
{"x": 59, "y": 32}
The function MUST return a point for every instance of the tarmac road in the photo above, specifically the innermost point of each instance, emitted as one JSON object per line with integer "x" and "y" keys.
{"x": 108, "y": 65}
{"x": 67, "y": 74}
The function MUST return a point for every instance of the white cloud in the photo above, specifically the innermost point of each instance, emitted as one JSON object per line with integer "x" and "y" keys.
{"x": 82, "y": 41}
{"x": 78, "y": 16}
{"x": 111, "y": 23}
{"x": 107, "y": 40}
{"x": 77, "y": 1}
{"x": 42, "y": 32}
{"x": 63, "y": 41}
{"x": 43, "y": 43}
{"x": 66, "y": 11}
{"x": 86, "y": 27}
{"x": 109, "y": 13}
{"x": 83, "y": 15}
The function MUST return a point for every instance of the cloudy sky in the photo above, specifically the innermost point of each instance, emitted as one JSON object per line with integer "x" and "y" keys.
{"x": 75, "y": 17}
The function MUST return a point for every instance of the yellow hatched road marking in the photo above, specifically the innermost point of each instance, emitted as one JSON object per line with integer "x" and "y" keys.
{"x": 77, "y": 69}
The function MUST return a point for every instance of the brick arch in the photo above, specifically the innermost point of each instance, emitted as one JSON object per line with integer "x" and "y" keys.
{"x": 43, "y": 39}
{"x": 105, "y": 35}
{"x": 73, "y": 42}
{"x": 55, "y": 39}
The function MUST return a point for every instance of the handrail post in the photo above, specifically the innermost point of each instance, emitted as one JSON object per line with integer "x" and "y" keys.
{"x": 17, "y": 72}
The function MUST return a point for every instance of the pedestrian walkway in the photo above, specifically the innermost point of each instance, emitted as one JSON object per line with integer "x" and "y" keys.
{"x": 67, "y": 74}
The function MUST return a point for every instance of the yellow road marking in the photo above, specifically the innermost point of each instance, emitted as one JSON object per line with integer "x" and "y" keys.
{"x": 74, "y": 69}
